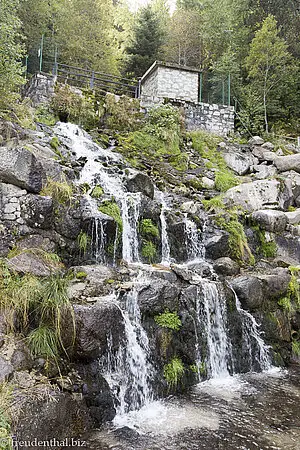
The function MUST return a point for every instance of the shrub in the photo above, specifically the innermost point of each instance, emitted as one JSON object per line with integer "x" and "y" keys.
{"x": 147, "y": 227}
{"x": 173, "y": 372}
{"x": 168, "y": 320}
{"x": 149, "y": 251}
{"x": 123, "y": 113}
{"x": 44, "y": 115}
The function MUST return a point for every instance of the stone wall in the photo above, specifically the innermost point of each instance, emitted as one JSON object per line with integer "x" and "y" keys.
{"x": 218, "y": 119}
{"x": 40, "y": 88}
{"x": 171, "y": 83}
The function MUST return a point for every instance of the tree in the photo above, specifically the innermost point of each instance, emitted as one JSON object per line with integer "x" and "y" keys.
{"x": 11, "y": 52}
{"x": 267, "y": 61}
{"x": 146, "y": 46}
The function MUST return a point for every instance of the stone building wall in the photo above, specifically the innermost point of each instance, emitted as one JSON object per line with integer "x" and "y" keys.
{"x": 218, "y": 119}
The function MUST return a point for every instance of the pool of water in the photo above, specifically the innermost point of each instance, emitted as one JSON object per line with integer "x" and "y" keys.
{"x": 245, "y": 412}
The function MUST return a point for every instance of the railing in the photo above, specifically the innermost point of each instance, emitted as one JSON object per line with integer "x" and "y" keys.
{"x": 99, "y": 81}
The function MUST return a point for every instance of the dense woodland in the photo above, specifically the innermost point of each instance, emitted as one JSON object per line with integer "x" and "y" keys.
{"x": 255, "y": 41}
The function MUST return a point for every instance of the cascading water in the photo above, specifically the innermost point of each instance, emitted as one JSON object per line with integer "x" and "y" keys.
{"x": 256, "y": 351}
{"x": 195, "y": 248}
{"x": 129, "y": 371}
{"x": 165, "y": 247}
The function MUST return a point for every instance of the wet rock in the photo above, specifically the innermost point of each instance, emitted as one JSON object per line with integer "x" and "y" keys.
{"x": 141, "y": 183}
{"x": 18, "y": 166}
{"x": 94, "y": 323}
{"x": 249, "y": 291}
{"x": 37, "y": 211}
{"x": 68, "y": 221}
{"x": 97, "y": 281}
{"x": 256, "y": 140}
{"x": 189, "y": 207}
{"x": 6, "y": 369}
{"x": 226, "y": 266}
{"x": 217, "y": 246}
{"x": 33, "y": 263}
{"x": 286, "y": 163}
{"x": 156, "y": 297}
{"x": 177, "y": 236}
{"x": 270, "y": 220}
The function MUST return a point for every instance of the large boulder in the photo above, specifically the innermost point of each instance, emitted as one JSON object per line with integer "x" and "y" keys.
{"x": 226, "y": 266}
{"x": 94, "y": 325}
{"x": 270, "y": 220}
{"x": 20, "y": 167}
{"x": 141, "y": 183}
{"x": 217, "y": 246}
{"x": 33, "y": 262}
{"x": 293, "y": 217}
{"x": 239, "y": 162}
{"x": 249, "y": 291}
{"x": 156, "y": 297}
{"x": 37, "y": 211}
{"x": 256, "y": 140}
{"x": 259, "y": 195}
{"x": 290, "y": 162}
{"x": 275, "y": 283}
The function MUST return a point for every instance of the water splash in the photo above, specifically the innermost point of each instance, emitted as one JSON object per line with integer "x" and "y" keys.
{"x": 165, "y": 246}
{"x": 194, "y": 246}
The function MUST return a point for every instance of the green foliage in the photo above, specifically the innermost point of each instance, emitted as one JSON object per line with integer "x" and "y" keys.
{"x": 173, "y": 372}
{"x": 147, "y": 227}
{"x": 81, "y": 275}
{"x": 285, "y": 303}
{"x": 268, "y": 249}
{"x": 213, "y": 204}
{"x": 54, "y": 143}
{"x": 147, "y": 42}
{"x": 5, "y": 419}
{"x": 238, "y": 243}
{"x": 44, "y": 115}
{"x": 225, "y": 180}
{"x": 123, "y": 113}
{"x": 60, "y": 191}
{"x": 77, "y": 108}
{"x": 199, "y": 368}
{"x": 168, "y": 320}
{"x": 11, "y": 52}
{"x": 164, "y": 122}
{"x": 296, "y": 347}
{"x": 97, "y": 192}
{"x": 149, "y": 251}
{"x": 112, "y": 209}
{"x": 291, "y": 301}
{"x": 83, "y": 241}
{"x": 36, "y": 306}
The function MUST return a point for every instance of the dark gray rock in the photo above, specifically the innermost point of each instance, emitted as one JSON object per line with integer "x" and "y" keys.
{"x": 21, "y": 358}
{"x": 6, "y": 369}
{"x": 276, "y": 283}
{"x": 141, "y": 183}
{"x": 270, "y": 220}
{"x": 18, "y": 166}
{"x": 249, "y": 291}
{"x": 32, "y": 262}
{"x": 226, "y": 266}
{"x": 217, "y": 246}
{"x": 37, "y": 211}
{"x": 156, "y": 297}
{"x": 93, "y": 325}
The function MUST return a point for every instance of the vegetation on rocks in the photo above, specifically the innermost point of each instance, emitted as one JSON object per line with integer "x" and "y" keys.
{"x": 168, "y": 320}
{"x": 173, "y": 372}
{"x": 147, "y": 227}
{"x": 112, "y": 209}
{"x": 149, "y": 251}
{"x": 60, "y": 191}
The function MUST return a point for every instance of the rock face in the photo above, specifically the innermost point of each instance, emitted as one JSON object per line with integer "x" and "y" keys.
{"x": 21, "y": 168}
{"x": 249, "y": 291}
{"x": 32, "y": 262}
{"x": 239, "y": 162}
{"x": 141, "y": 183}
{"x": 6, "y": 370}
{"x": 225, "y": 266}
{"x": 270, "y": 220}
{"x": 257, "y": 195}
{"x": 290, "y": 162}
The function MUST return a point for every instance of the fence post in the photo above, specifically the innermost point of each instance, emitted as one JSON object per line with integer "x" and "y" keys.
{"x": 229, "y": 89}
{"x": 92, "y": 80}
{"x": 26, "y": 66}
{"x": 55, "y": 62}
{"x": 223, "y": 92}
{"x": 41, "y": 52}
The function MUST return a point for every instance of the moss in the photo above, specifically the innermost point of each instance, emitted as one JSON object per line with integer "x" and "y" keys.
{"x": 97, "y": 192}
{"x": 148, "y": 228}
{"x": 173, "y": 372}
{"x": 82, "y": 241}
{"x": 213, "y": 204}
{"x": 149, "y": 251}
{"x": 112, "y": 209}
{"x": 54, "y": 143}
{"x": 45, "y": 115}
{"x": 225, "y": 180}
{"x": 267, "y": 249}
{"x": 168, "y": 320}
{"x": 81, "y": 275}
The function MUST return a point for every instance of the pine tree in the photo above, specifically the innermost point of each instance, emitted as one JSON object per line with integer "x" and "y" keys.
{"x": 147, "y": 42}
{"x": 11, "y": 52}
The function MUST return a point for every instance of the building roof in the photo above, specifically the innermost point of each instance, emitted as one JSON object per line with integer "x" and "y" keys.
{"x": 168, "y": 65}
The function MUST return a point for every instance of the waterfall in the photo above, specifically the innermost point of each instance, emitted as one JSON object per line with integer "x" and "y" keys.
{"x": 211, "y": 321}
{"x": 256, "y": 350}
{"x": 165, "y": 247}
{"x": 194, "y": 246}
{"x": 98, "y": 240}
{"x": 130, "y": 218}
{"x": 129, "y": 371}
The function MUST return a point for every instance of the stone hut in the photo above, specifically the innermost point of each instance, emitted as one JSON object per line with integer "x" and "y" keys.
{"x": 180, "y": 85}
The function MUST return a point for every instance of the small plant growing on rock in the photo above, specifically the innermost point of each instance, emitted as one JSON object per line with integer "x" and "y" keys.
{"x": 173, "y": 372}
{"x": 83, "y": 241}
{"x": 296, "y": 347}
{"x": 60, "y": 191}
{"x": 149, "y": 251}
{"x": 112, "y": 209}
{"x": 147, "y": 227}
{"x": 97, "y": 192}
{"x": 168, "y": 320}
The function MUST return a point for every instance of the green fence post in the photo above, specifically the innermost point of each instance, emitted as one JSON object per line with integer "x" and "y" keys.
{"x": 200, "y": 86}
{"x": 41, "y": 52}
{"x": 223, "y": 92}
{"x": 55, "y": 62}
{"x": 229, "y": 89}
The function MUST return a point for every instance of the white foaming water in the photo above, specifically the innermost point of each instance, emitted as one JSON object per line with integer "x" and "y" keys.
{"x": 97, "y": 171}
{"x": 165, "y": 247}
{"x": 129, "y": 372}
{"x": 194, "y": 246}
{"x": 251, "y": 335}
